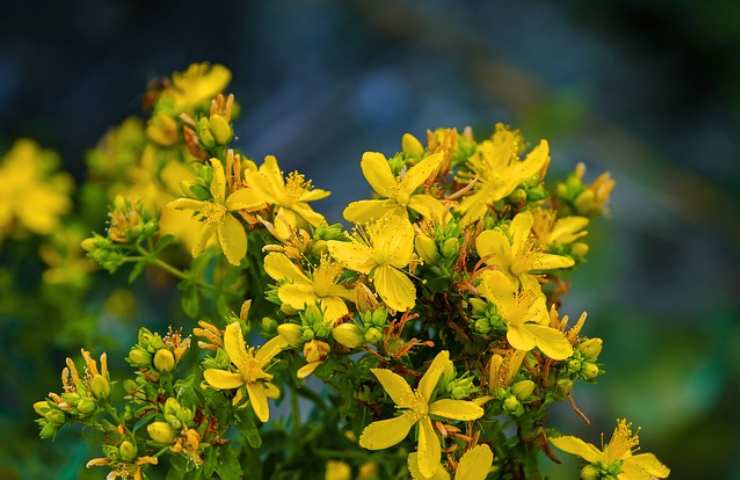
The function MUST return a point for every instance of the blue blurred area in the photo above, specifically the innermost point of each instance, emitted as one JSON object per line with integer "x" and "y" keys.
{"x": 646, "y": 90}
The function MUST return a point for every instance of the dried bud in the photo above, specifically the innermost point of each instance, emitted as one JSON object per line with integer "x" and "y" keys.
{"x": 316, "y": 351}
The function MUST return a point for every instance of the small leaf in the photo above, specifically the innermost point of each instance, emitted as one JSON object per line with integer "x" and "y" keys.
{"x": 249, "y": 429}
{"x": 136, "y": 271}
{"x": 189, "y": 301}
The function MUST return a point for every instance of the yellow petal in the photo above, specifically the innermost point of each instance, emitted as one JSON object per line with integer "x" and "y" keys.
{"x": 498, "y": 287}
{"x": 244, "y": 199}
{"x": 271, "y": 390}
{"x": 222, "y": 379}
{"x": 413, "y": 464}
{"x": 313, "y": 195}
{"x": 429, "y": 449}
{"x": 520, "y": 337}
{"x": 218, "y": 181}
{"x": 233, "y": 239}
{"x": 378, "y": 174}
{"x": 630, "y": 471}
{"x": 187, "y": 204}
{"x": 393, "y": 240}
{"x": 352, "y": 255}
{"x": 428, "y": 206}
{"x": 536, "y": 160}
{"x": 305, "y": 211}
{"x": 269, "y": 349}
{"x": 386, "y": 433}
{"x": 307, "y": 369}
{"x": 297, "y": 295}
{"x": 234, "y": 345}
{"x": 568, "y": 229}
{"x": 519, "y": 230}
{"x": 365, "y": 211}
{"x": 475, "y": 464}
{"x": 394, "y": 287}
{"x": 546, "y": 261}
{"x": 551, "y": 341}
{"x": 258, "y": 400}
{"x": 430, "y": 378}
{"x": 456, "y": 409}
{"x": 334, "y": 308}
{"x": 648, "y": 463}
{"x": 279, "y": 267}
{"x": 207, "y": 230}
{"x": 419, "y": 173}
{"x": 395, "y": 386}
{"x": 576, "y": 446}
{"x": 494, "y": 247}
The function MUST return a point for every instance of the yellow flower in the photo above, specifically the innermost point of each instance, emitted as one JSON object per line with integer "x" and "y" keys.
{"x": 617, "y": 455}
{"x": 525, "y": 314}
{"x": 496, "y": 171}
{"x": 513, "y": 252}
{"x": 417, "y": 408}
{"x": 66, "y": 258}
{"x": 290, "y": 196}
{"x": 474, "y": 465}
{"x": 196, "y": 86}
{"x": 337, "y": 470}
{"x": 250, "y": 365}
{"x": 550, "y": 231}
{"x": 388, "y": 248}
{"x": 396, "y": 195}
{"x": 315, "y": 352}
{"x": 215, "y": 216}
{"x": 299, "y": 290}
{"x": 30, "y": 193}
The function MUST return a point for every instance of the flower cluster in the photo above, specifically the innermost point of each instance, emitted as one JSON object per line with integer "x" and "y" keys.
{"x": 433, "y": 321}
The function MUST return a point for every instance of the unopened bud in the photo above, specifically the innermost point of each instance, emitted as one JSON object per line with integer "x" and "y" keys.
{"x": 89, "y": 244}
{"x": 511, "y": 404}
{"x": 127, "y": 450}
{"x": 348, "y": 334}
{"x": 379, "y": 317}
{"x": 590, "y": 370}
{"x": 565, "y": 386}
{"x": 518, "y": 196}
{"x": 482, "y": 326}
{"x": 269, "y": 324}
{"x": 100, "y": 386}
{"x": 48, "y": 431}
{"x": 86, "y": 405}
{"x": 220, "y": 128}
{"x": 41, "y": 407}
{"x": 161, "y": 432}
{"x": 478, "y": 305}
{"x": 574, "y": 365}
{"x": 450, "y": 247}
{"x": 426, "y": 248}
{"x": 579, "y": 249}
{"x": 130, "y": 386}
{"x": 373, "y": 335}
{"x": 55, "y": 416}
{"x": 523, "y": 389}
{"x": 204, "y": 133}
{"x": 411, "y": 146}
{"x": 591, "y": 348}
{"x": 589, "y": 472}
{"x": 164, "y": 360}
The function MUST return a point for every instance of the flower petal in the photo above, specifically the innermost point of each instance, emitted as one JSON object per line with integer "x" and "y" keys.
{"x": 430, "y": 378}
{"x": 429, "y": 449}
{"x": 269, "y": 349}
{"x": 279, "y": 267}
{"x": 386, "y": 433}
{"x": 428, "y": 206}
{"x": 334, "y": 308}
{"x": 233, "y": 239}
{"x": 207, "y": 230}
{"x": 307, "y": 369}
{"x": 305, "y": 211}
{"x": 475, "y": 464}
{"x": 394, "y": 287}
{"x": 519, "y": 230}
{"x": 551, "y": 341}
{"x": 419, "y": 173}
{"x": 365, "y": 211}
{"x": 271, "y": 390}
{"x": 378, "y": 173}
{"x": 649, "y": 463}
{"x": 218, "y": 181}
{"x": 222, "y": 379}
{"x": 392, "y": 238}
{"x": 187, "y": 204}
{"x": 234, "y": 345}
{"x": 413, "y": 464}
{"x": 395, "y": 386}
{"x": 456, "y": 409}
{"x": 546, "y": 261}
{"x": 576, "y": 446}
{"x": 520, "y": 337}
{"x": 244, "y": 199}
{"x": 493, "y": 246}
{"x": 297, "y": 295}
{"x": 258, "y": 400}
{"x": 313, "y": 195}
{"x": 352, "y": 255}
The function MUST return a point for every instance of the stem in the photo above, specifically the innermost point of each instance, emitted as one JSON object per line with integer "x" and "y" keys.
{"x": 295, "y": 413}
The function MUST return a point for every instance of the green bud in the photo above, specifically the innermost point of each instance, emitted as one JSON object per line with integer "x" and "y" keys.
{"x": 200, "y": 192}
{"x": 348, "y": 334}
{"x": 269, "y": 325}
{"x": 319, "y": 247}
{"x": 164, "y": 360}
{"x": 307, "y": 334}
{"x": 145, "y": 336}
{"x": 591, "y": 348}
{"x": 379, "y": 317}
{"x": 478, "y": 305}
{"x": 373, "y": 335}
{"x": 127, "y": 450}
{"x": 411, "y": 146}
{"x": 589, "y": 472}
{"x": 523, "y": 389}
{"x": 204, "y": 133}
{"x": 186, "y": 415}
{"x": 565, "y": 386}
{"x": 574, "y": 365}
{"x": 579, "y": 249}
{"x": 130, "y": 386}
{"x": 458, "y": 392}
{"x": 89, "y": 244}
{"x": 161, "y": 432}
{"x": 511, "y": 404}
{"x": 171, "y": 406}
{"x": 426, "y": 248}
{"x": 86, "y": 405}
{"x": 590, "y": 370}
{"x": 290, "y": 332}
{"x": 173, "y": 421}
{"x": 55, "y": 416}
{"x": 482, "y": 326}
{"x": 450, "y": 247}
{"x": 48, "y": 431}
{"x": 518, "y": 196}
{"x": 100, "y": 386}
{"x": 71, "y": 398}
{"x": 41, "y": 407}
{"x": 220, "y": 128}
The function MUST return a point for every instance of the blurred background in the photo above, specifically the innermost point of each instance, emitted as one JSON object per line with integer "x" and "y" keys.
{"x": 647, "y": 90}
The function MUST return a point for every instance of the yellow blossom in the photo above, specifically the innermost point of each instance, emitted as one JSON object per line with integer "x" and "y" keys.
{"x": 251, "y": 374}
{"x": 31, "y": 194}
{"x": 474, "y": 465}
{"x": 216, "y": 218}
{"x": 549, "y": 230}
{"x": 299, "y": 289}
{"x": 417, "y": 408}
{"x": 593, "y": 200}
{"x": 196, "y": 86}
{"x": 496, "y": 171}
{"x": 396, "y": 196}
{"x": 617, "y": 454}
{"x": 512, "y": 251}
{"x": 525, "y": 314}
{"x": 290, "y": 195}
{"x": 388, "y": 248}
{"x": 315, "y": 352}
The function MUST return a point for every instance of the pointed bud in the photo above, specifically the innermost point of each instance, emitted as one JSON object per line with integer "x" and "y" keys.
{"x": 220, "y": 128}
{"x": 161, "y": 432}
{"x": 86, "y": 405}
{"x": 511, "y": 404}
{"x": 269, "y": 325}
{"x": 478, "y": 305}
{"x": 426, "y": 248}
{"x": 450, "y": 247}
{"x": 348, "y": 334}
{"x": 127, "y": 450}
{"x": 164, "y": 360}
{"x": 41, "y": 407}
{"x": 523, "y": 389}
{"x": 290, "y": 332}
{"x": 411, "y": 146}
{"x": 591, "y": 348}
{"x": 590, "y": 370}
{"x": 373, "y": 335}
{"x": 100, "y": 386}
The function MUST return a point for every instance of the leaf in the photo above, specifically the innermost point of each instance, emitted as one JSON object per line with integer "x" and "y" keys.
{"x": 229, "y": 467}
{"x": 163, "y": 242}
{"x": 189, "y": 302}
{"x": 136, "y": 271}
{"x": 249, "y": 429}
{"x": 143, "y": 421}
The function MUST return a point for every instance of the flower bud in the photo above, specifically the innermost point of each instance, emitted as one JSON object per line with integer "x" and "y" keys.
{"x": 450, "y": 247}
{"x": 130, "y": 386}
{"x": 591, "y": 348}
{"x": 71, "y": 398}
{"x": 579, "y": 249}
{"x": 171, "y": 406}
{"x": 518, "y": 196}
{"x": 348, "y": 334}
{"x": 164, "y": 360}
{"x": 482, "y": 326}
{"x": 379, "y": 317}
{"x": 307, "y": 334}
{"x": 315, "y": 351}
{"x": 523, "y": 389}
{"x": 55, "y": 416}
{"x": 100, "y": 386}
{"x": 411, "y": 146}
{"x": 89, "y": 244}
{"x": 162, "y": 129}
{"x": 589, "y": 472}
{"x": 478, "y": 305}
{"x": 127, "y": 450}
{"x": 319, "y": 247}
{"x": 373, "y": 335}
{"x": 574, "y": 365}
{"x": 565, "y": 386}
{"x": 41, "y": 407}
{"x": 86, "y": 405}
{"x": 204, "y": 133}
{"x": 161, "y": 432}
{"x": 511, "y": 404}
{"x": 269, "y": 325}
{"x": 426, "y": 248}
{"x": 48, "y": 431}
{"x": 173, "y": 421}
{"x": 590, "y": 370}
{"x": 220, "y": 128}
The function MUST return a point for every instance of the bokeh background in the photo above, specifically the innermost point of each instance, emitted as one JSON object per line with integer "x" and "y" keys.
{"x": 648, "y": 90}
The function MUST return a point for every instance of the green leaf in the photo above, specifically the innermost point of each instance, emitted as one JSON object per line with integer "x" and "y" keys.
{"x": 190, "y": 302}
{"x": 229, "y": 468}
{"x": 249, "y": 429}
{"x": 136, "y": 271}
